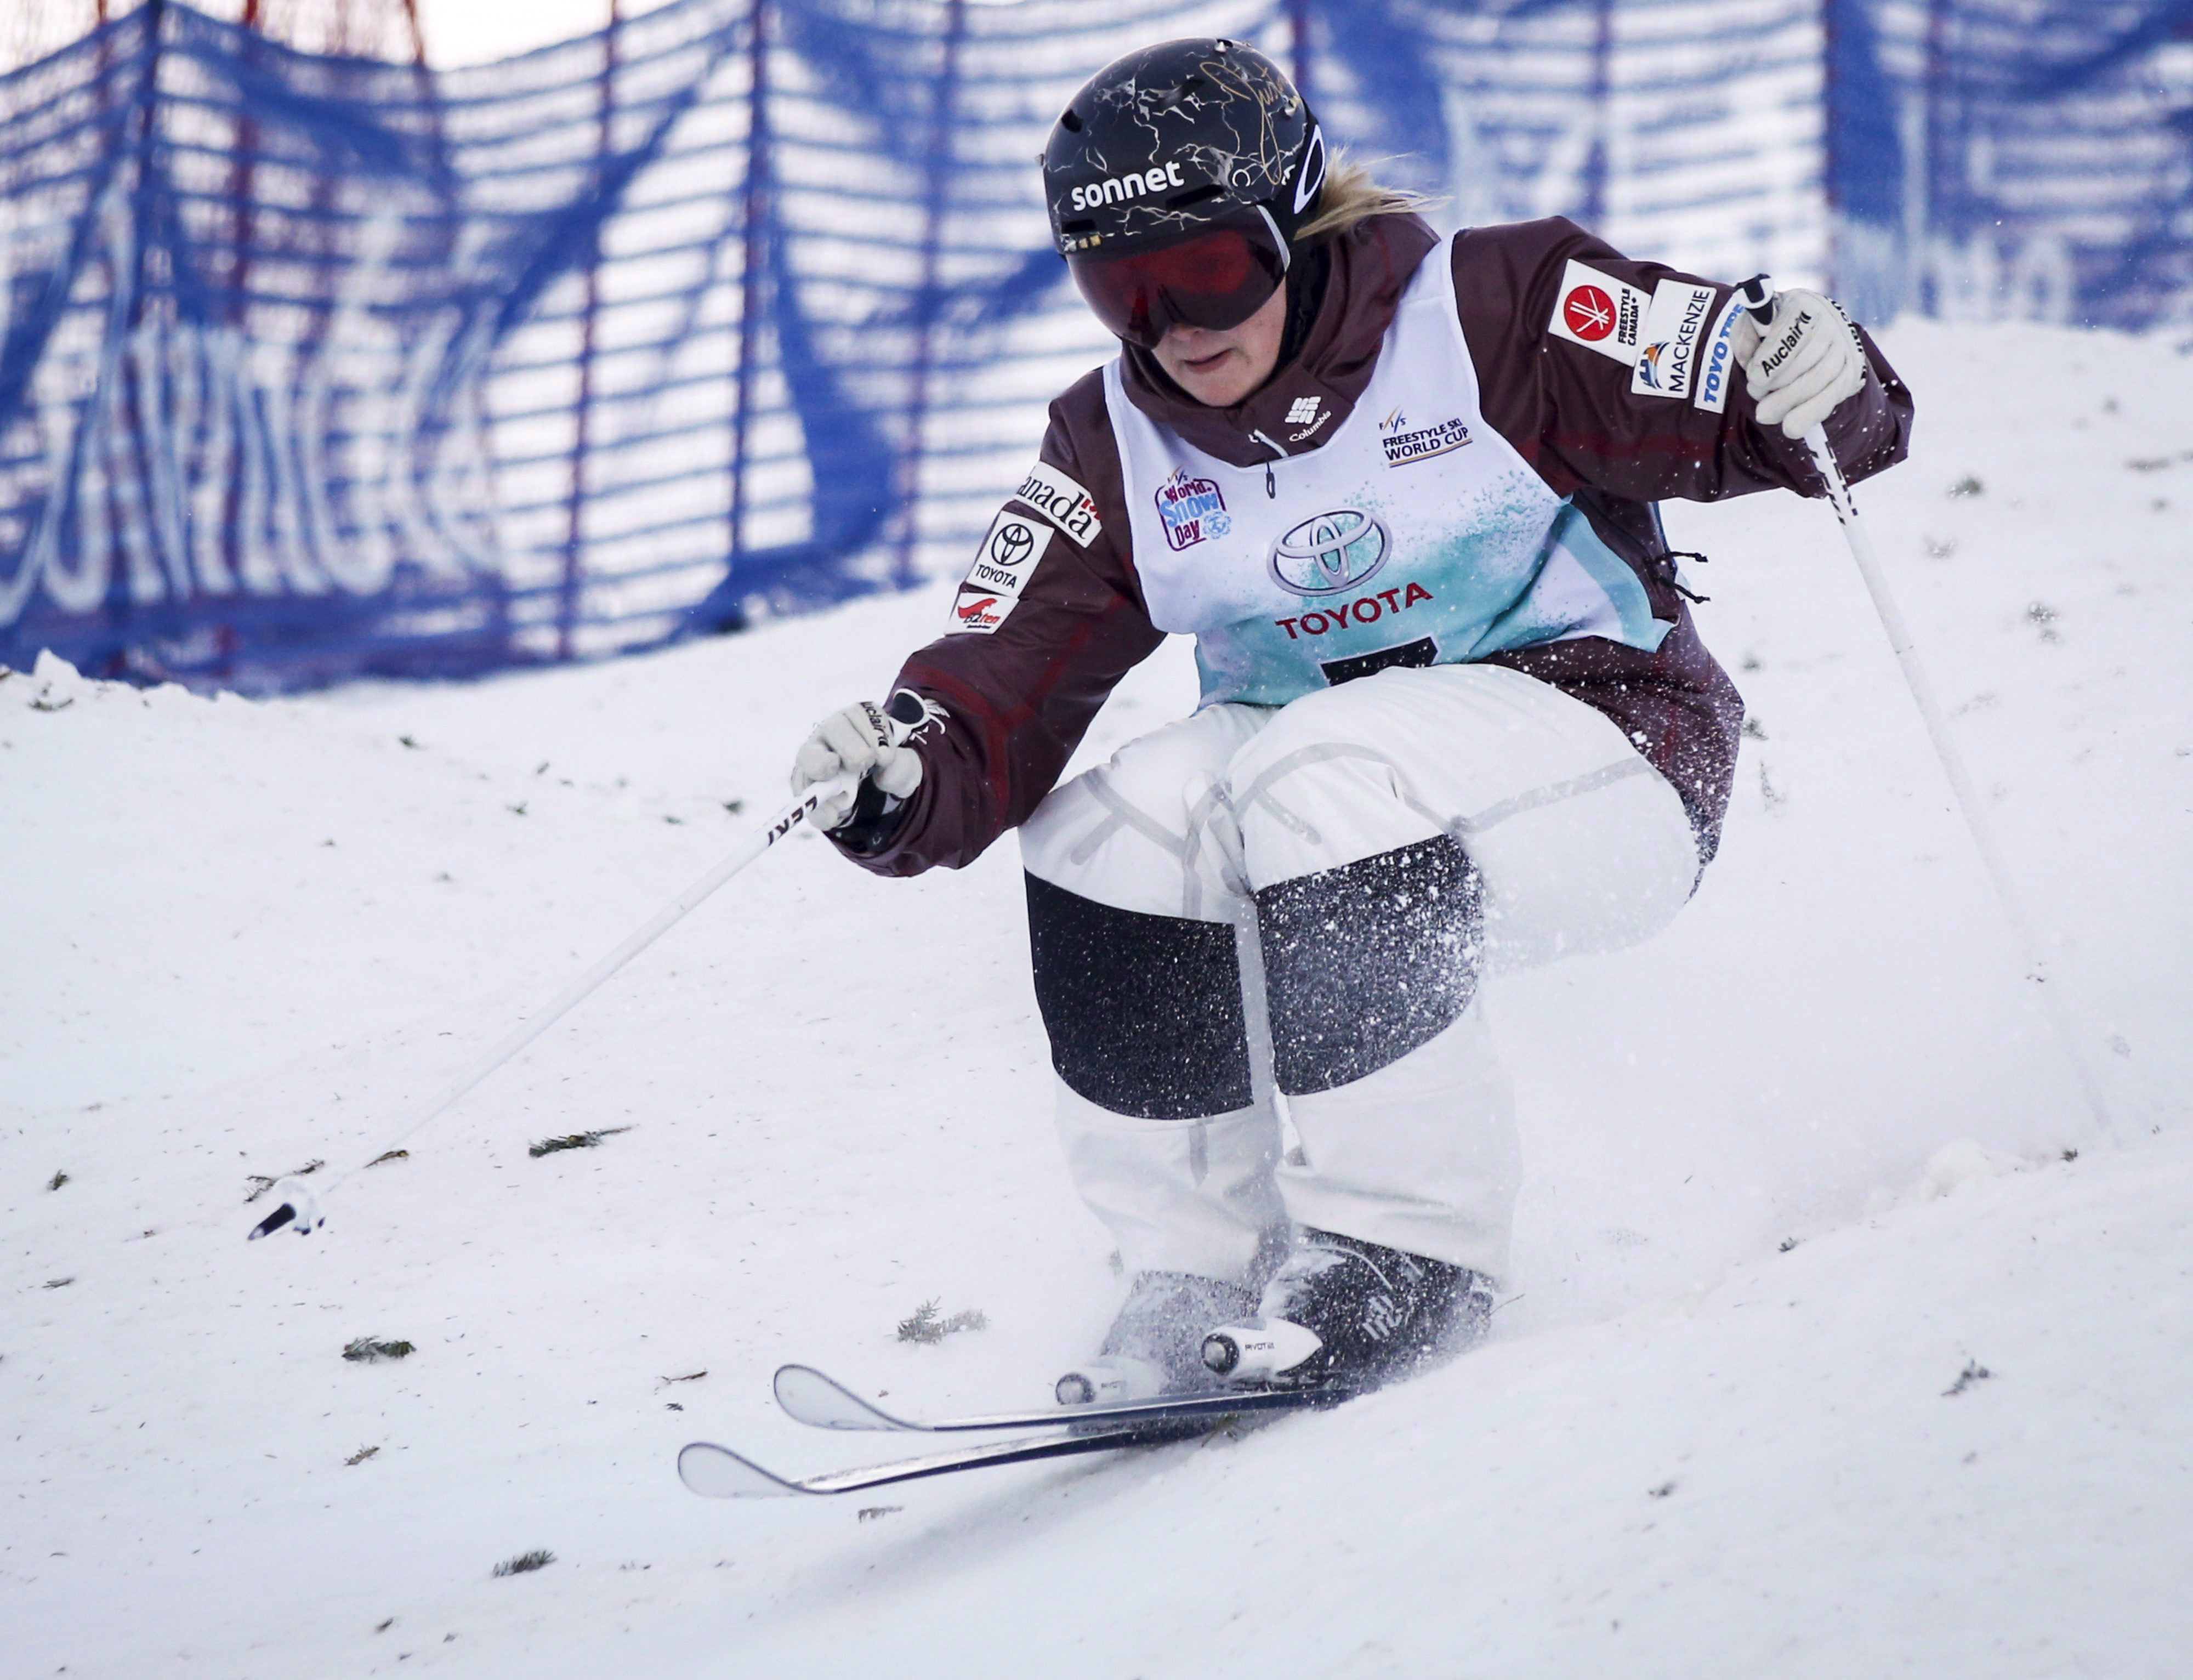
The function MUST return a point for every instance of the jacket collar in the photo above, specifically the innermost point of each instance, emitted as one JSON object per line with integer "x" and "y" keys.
{"x": 1304, "y": 402}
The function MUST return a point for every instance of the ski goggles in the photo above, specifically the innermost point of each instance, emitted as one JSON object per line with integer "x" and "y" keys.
{"x": 1217, "y": 280}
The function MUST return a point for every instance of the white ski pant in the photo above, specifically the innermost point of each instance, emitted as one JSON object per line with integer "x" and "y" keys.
{"x": 1301, "y": 899}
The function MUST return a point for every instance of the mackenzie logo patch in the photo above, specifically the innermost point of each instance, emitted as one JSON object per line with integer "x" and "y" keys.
{"x": 1193, "y": 510}
{"x": 1404, "y": 444}
{"x": 1674, "y": 332}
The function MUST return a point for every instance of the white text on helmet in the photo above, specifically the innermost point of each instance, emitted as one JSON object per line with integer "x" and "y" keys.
{"x": 1132, "y": 185}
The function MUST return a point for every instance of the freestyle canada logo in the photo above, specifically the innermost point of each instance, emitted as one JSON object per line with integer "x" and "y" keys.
{"x": 1404, "y": 444}
{"x": 1330, "y": 553}
{"x": 1589, "y": 312}
{"x": 1192, "y": 510}
{"x": 1594, "y": 316}
{"x": 1135, "y": 184}
{"x": 1364, "y": 610}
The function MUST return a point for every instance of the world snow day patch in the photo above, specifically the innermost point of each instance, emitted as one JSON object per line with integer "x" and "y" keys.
{"x": 1002, "y": 565}
{"x": 1675, "y": 333}
{"x": 1599, "y": 312}
{"x": 1191, "y": 510}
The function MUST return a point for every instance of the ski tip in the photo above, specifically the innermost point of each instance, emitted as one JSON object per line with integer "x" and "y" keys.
{"x": 823, "y": 1402}
{"x": 717, "y": 1473}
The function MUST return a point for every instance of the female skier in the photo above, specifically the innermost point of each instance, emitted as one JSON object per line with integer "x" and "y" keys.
{"x": 1454, "y": 712}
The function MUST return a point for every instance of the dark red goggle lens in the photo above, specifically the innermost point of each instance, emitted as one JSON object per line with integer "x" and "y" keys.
{"x": 1217, "y": 280}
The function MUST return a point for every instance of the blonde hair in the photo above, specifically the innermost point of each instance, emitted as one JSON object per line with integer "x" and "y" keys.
{"x": 1349, "y": 195}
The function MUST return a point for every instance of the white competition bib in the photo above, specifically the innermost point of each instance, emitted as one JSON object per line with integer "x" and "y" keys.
{"x": 1416, "y": 536}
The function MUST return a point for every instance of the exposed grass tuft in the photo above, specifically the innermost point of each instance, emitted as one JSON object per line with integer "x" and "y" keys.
{"x": 576, "y": 1140}
{"x": 57, "y": 1181}
{"x": 390, "y": 1155}
{"x": 367, "y": 1349}
{"x": 524, "y": 1563}
{"x": 360, "y": 1456}
{"x": 260, "y": 1184}
{"x": 1974, "y": 1372}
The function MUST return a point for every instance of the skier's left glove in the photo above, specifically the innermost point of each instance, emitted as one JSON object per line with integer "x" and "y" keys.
{"x": 1804, "y": 363}
{"x": 868, "y": 741}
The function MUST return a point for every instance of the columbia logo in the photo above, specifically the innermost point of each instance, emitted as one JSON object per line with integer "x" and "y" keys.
{"x": 1304, "y": 410}
{"x": 1381, "y": 1318}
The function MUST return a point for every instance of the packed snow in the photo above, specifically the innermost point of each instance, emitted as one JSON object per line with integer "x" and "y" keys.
{"x": 1840, "y": 1339}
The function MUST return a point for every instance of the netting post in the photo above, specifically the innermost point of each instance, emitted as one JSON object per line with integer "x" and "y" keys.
{"x": 753, "y": 216}
{"x": 568, "y": 598}
{"x": 1598, "y": 159}
{"x": 1298, "y": 46}
{"x": 1830, "y": 122}
{"x": 938, "y": 192}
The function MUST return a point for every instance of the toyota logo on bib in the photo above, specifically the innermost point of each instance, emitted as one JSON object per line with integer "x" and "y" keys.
{"x": 1331, "y": 553}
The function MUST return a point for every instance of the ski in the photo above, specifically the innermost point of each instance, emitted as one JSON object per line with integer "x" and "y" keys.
{"x": 717, "y": 1473}
{"x": 810, "y": 1397}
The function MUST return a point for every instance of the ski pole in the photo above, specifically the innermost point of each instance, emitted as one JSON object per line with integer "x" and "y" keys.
{"x": 299, "y": 1206}
{"x": 1758, "y": 301}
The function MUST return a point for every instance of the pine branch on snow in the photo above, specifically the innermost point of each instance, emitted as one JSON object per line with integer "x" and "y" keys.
{"x": 524, "y": 1563}
{"x": 928, "y": 1325}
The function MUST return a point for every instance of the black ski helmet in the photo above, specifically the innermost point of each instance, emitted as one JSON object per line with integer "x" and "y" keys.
{"x": 1176, "y": 137}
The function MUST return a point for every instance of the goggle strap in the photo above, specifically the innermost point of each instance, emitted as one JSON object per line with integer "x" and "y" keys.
{"x": 1278, "y": 240}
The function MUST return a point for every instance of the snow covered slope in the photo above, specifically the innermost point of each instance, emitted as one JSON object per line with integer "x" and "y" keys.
{"x": 240, "y": 937}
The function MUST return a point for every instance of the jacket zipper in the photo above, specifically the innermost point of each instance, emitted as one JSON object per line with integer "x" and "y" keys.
{"x": 1271, "y": 483}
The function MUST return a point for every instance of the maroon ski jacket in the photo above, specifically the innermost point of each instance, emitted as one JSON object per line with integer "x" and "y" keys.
{"x": 1017, "y": 702}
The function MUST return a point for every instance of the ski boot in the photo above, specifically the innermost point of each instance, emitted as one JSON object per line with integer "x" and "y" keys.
{"x": 1155, "y": 1346}
{"x": 1351, "y": 1313}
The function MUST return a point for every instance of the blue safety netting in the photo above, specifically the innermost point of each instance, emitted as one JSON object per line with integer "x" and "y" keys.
{"x": 313, "y": 367}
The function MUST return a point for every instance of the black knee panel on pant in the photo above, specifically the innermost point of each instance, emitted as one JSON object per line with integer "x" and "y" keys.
{"x": 1144, "y": 1012}
{"x": 1364, "y": 963}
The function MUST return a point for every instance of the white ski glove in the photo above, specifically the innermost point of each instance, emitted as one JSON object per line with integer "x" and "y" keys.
{"x": 864, "y": 739}
{"x": 1804, "y": 363}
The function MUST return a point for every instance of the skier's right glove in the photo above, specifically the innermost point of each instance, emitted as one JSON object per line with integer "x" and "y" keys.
{"x": 1803, "y": 365}
{"x": 869, "y": 742}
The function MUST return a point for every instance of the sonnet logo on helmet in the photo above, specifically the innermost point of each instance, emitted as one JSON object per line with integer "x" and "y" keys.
{"x": 1132, "y": 185}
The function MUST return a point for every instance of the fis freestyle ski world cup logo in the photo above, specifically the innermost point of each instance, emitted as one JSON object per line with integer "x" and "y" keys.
{"x": 1192, "y": 510}
{"x": 1403, "y": 443}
